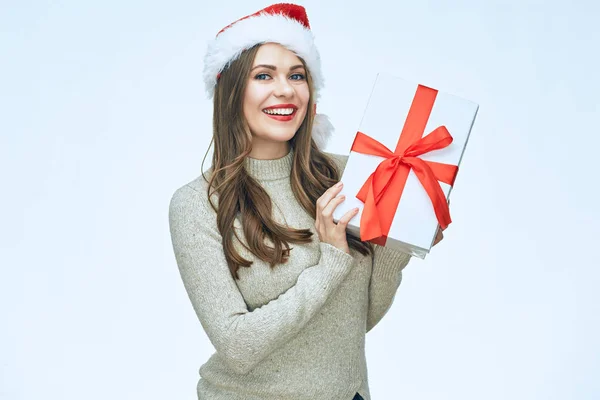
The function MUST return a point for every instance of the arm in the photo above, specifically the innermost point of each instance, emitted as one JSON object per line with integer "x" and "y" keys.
{"x": 386, "y": 274}
{"x": 242, "y": 338}
{"x": 385, "y": 280}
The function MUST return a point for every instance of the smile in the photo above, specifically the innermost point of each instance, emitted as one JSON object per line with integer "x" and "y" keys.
{"x": 281, "y": 112}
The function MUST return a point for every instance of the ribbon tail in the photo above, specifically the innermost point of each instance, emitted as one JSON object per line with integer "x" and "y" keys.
{"x": 370, "y": 228}
{"x": 438, "y": 199}
{"x": 363, "y": 193}
{"x": 443, "y": 172}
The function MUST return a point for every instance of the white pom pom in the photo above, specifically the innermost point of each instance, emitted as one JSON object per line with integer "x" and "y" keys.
{"x": 322, "y": 130}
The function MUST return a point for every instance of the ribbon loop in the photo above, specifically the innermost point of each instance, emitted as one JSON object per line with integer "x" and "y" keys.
{"x": 367, "y": 145}
{"x": 436, "y": 140}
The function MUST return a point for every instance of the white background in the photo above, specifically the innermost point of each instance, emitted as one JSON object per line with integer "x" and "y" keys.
{"x": 103, "y": 116}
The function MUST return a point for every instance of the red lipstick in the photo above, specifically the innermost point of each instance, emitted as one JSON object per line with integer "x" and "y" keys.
{"x": 281, "y": 106}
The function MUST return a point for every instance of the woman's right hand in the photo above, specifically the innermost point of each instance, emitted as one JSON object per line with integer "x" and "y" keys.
{"x": 328, "y": 231}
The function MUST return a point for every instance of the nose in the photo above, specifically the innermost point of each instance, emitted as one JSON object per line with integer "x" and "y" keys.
{"x": 283, "y": 88}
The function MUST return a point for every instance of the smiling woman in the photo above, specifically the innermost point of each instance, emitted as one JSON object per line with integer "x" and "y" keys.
{"x": 284, "y": 294}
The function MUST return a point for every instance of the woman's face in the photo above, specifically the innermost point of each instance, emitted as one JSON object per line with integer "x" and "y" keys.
{"x": 275, "y": 101}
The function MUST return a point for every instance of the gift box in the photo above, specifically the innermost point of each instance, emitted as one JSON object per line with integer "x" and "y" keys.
{"x": 403, "y": 163}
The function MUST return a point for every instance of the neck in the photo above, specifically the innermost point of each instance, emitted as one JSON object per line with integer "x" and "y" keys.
{"x": 269, "y": 151}
{"x": 270, "y": 169}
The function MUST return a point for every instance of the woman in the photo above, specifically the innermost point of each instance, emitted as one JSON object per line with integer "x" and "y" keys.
{"x": 284, "y": 294}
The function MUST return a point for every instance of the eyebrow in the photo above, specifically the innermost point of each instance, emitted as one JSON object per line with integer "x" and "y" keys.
{"x": 274, "y": 68}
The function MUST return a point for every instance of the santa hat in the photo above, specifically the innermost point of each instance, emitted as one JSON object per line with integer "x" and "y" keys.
{"x": 283, "y": 23}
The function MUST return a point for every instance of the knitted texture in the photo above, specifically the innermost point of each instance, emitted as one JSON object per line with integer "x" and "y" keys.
{"x": 296, "y": 331}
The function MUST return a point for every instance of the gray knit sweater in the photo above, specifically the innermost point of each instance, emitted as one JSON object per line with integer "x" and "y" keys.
{"x": 294, "y": 332}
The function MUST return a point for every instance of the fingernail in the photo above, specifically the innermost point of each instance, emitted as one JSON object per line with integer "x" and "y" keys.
{"x": 338, "y": 184}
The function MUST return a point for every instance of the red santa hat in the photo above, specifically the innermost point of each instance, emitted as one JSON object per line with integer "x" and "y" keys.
{"x": 283, "y": 23}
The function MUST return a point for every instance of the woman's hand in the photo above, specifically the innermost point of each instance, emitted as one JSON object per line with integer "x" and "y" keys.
{"x": 328, "y": 231}
{"x": 440, "y": 233}
{"x": 439, "y": 236}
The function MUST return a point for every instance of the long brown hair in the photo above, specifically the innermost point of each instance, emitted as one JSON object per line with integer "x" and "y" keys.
{"x": 313, "y": 172}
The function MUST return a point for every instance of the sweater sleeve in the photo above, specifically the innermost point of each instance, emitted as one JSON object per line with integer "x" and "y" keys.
{"x": 242, "y": 337}
{"x": 386, "y": 274}
{"x": 386, "y": 277}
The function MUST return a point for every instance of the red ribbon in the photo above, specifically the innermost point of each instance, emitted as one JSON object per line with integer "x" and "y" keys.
{"x": 383, "y": 189}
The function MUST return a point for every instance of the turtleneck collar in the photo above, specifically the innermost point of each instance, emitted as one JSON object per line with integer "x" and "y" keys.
{"x": 268, "y": 170}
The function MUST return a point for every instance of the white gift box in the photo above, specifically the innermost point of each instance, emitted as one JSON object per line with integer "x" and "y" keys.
{"x": 414, "y": 225}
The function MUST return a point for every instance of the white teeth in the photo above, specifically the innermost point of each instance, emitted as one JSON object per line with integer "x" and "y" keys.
{"x": 279, "y": 111}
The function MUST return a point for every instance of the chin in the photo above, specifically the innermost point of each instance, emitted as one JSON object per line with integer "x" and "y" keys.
{"x": 279, "y": 135}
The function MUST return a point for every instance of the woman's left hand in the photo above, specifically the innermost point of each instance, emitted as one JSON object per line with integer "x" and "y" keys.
{"x": 440, "y": 233}
{"x": 439, "y": 236}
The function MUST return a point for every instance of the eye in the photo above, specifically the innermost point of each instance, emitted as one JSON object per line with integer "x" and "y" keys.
{"x": 298, "y": 77}
{"x": 262, "y": 77}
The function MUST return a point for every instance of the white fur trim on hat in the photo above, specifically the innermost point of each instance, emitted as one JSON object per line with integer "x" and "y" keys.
{"x": 262, "y": 28}
{"x": 322, "y": 130}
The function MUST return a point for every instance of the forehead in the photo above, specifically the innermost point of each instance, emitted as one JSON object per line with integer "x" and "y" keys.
{"x": 276, "y": 54}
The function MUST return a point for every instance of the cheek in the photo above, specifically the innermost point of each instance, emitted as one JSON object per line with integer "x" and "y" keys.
{"x": 253, "y": 99}
{"x": 257, "y": 94}
{"x": 304, "y": 94}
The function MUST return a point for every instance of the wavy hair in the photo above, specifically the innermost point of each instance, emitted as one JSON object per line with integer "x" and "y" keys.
{"x": 313, "y": 172}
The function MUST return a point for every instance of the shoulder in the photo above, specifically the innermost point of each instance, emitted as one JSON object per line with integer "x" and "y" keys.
{"x": 191, "y": 197}
{"x": 339, "y": 160}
